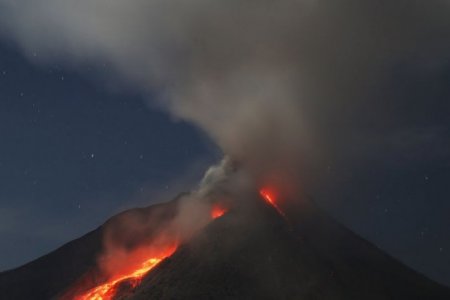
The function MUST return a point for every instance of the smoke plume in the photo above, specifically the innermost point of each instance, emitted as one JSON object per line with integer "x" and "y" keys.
{"x": 286, "y": 88}
{"x": 280, "y": 86}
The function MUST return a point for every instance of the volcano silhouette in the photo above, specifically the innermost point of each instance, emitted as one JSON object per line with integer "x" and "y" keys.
{"x": 251, "y": 252}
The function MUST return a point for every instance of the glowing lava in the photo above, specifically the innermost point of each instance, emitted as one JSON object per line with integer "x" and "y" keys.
{"x": 133, "y": 277}
{"x": 217, "y": 211}
{"x": 107, "y": 290}
{"x": 269, "y": 197}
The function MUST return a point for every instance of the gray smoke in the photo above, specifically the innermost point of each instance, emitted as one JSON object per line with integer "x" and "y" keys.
{"x": 283, "y": 87}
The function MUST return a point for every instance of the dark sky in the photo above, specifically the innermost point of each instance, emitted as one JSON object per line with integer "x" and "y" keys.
{"x": 74, "y": 152}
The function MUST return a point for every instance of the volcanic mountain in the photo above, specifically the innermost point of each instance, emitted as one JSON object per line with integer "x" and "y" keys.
{"x": 253, "y": 251}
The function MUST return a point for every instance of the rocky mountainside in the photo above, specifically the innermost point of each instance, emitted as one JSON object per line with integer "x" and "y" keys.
{"x": 251, "y": 252}
{"x": 254, "y": 253}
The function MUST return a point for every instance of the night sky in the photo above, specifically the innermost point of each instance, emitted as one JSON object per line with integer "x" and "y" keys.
{"x": 74, "y": 151}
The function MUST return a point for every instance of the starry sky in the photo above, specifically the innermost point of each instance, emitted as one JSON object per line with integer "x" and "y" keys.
{"x": 75, "y": 150}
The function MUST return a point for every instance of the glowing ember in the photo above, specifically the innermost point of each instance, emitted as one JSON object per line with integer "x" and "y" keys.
{"x": 269, "y": 197}
{"x": 107, "y": 290}
{"x": 217, "y": 211}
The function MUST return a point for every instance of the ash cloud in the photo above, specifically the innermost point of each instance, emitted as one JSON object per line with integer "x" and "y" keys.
{"x": 280, "y": 86}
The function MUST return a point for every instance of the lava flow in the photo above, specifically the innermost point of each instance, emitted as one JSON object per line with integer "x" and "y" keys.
{"x": 107, "y": 290}
{"x": 269, "y": 197}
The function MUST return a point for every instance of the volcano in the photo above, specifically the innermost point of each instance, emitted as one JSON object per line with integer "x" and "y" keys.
{"x": 250, "y": 252}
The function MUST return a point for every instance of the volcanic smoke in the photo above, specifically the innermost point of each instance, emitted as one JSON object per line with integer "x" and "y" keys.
{"x": 282, "y": 87}
{"x": 288, "y": 87}
{"x": 140, "y": 263}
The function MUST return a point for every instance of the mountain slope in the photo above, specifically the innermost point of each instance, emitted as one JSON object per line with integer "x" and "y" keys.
{"x": 253, "y": 253}
{"x": 74, "y": 264}
{"x": 46, "y": 276}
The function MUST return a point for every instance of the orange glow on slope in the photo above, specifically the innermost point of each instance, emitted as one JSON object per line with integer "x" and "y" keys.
{"x": 269, "y": 197}
{"x": 138, "y": 269}
{"x": 217, "y": 211}
{"x": 107, "y": 290}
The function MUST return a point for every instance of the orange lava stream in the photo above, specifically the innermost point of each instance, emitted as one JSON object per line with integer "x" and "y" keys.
{"x": 270, "y": 199}
{"x": 107, "y": 290}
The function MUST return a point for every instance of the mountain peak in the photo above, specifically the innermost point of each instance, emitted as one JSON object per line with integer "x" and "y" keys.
{"x": 253, "y": 251}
